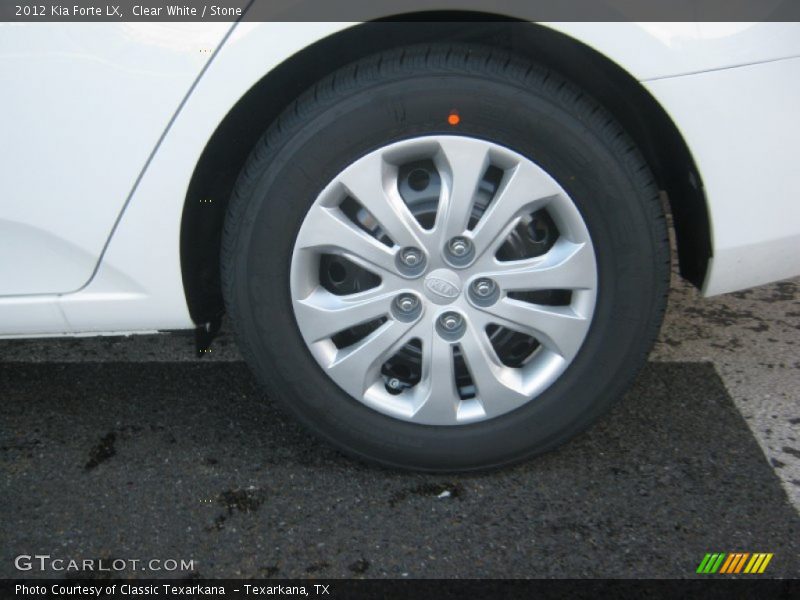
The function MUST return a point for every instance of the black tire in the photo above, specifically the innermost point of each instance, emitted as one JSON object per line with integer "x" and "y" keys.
{"x": 407, "y": 93}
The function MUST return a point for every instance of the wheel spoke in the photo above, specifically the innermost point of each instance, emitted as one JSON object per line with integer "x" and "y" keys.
{"x": 327, "y": 231}
{"x": 525, "y": 188}
{"x": 558, "y": 328}
{"x": 358, "y": 366}
{"x": 567, "y": 266}
{"x": 374, "y": 186}
{"x": 324, "y": 314}
{"x": 465, "y": 162}
{"x": 498, "y": 387}
{"x": 439, "y": 396}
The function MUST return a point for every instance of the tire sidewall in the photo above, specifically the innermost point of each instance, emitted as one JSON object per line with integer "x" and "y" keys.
{"x": 328, "y": 135}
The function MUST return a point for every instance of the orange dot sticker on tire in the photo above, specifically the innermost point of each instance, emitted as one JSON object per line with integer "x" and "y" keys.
{"x": 453, "y": 118}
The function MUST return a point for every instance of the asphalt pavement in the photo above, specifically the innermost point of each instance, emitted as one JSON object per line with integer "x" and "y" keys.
{"x": 132, "y": 448}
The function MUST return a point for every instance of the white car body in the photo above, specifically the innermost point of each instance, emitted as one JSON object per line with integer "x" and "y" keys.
{"x": 103, "y": 126}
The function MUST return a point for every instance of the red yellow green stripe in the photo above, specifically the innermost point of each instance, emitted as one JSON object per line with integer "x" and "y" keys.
{"x": 734, "y": 562}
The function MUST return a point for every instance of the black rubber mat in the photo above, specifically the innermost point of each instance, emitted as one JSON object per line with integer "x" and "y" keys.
{"x": 189, "y": 461}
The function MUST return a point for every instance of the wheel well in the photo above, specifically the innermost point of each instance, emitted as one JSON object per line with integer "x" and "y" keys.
{"x": 636, "y": 110}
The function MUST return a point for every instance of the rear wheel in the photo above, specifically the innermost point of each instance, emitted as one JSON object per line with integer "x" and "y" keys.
{"x": 444, "y": 259}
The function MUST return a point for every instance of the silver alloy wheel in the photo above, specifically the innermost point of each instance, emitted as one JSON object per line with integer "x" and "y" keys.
{"x": 444, "y": 283}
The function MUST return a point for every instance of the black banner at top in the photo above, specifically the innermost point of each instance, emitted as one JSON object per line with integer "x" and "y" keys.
{"x": 369, "y": 10}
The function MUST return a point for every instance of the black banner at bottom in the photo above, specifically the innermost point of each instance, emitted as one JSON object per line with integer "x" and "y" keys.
{"x": 712, "y": 587}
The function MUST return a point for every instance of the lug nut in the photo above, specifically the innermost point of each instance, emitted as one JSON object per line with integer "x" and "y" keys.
{"x": 406, "y": 303}
{"x": 411, "y": 257}
{"x": 394, "y": 383}
{"x": 459, "y": 246}
{"x": 484, "y": 287}
{"x": 451, "y": 326}
{"x": 451, "y": 321}
{"x": 406, "y": 307}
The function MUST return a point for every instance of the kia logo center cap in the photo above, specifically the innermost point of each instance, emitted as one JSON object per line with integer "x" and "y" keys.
{"x": 442, "y": 286}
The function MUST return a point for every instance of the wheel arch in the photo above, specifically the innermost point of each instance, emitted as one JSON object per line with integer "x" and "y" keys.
{"x": 631, "y": 104}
